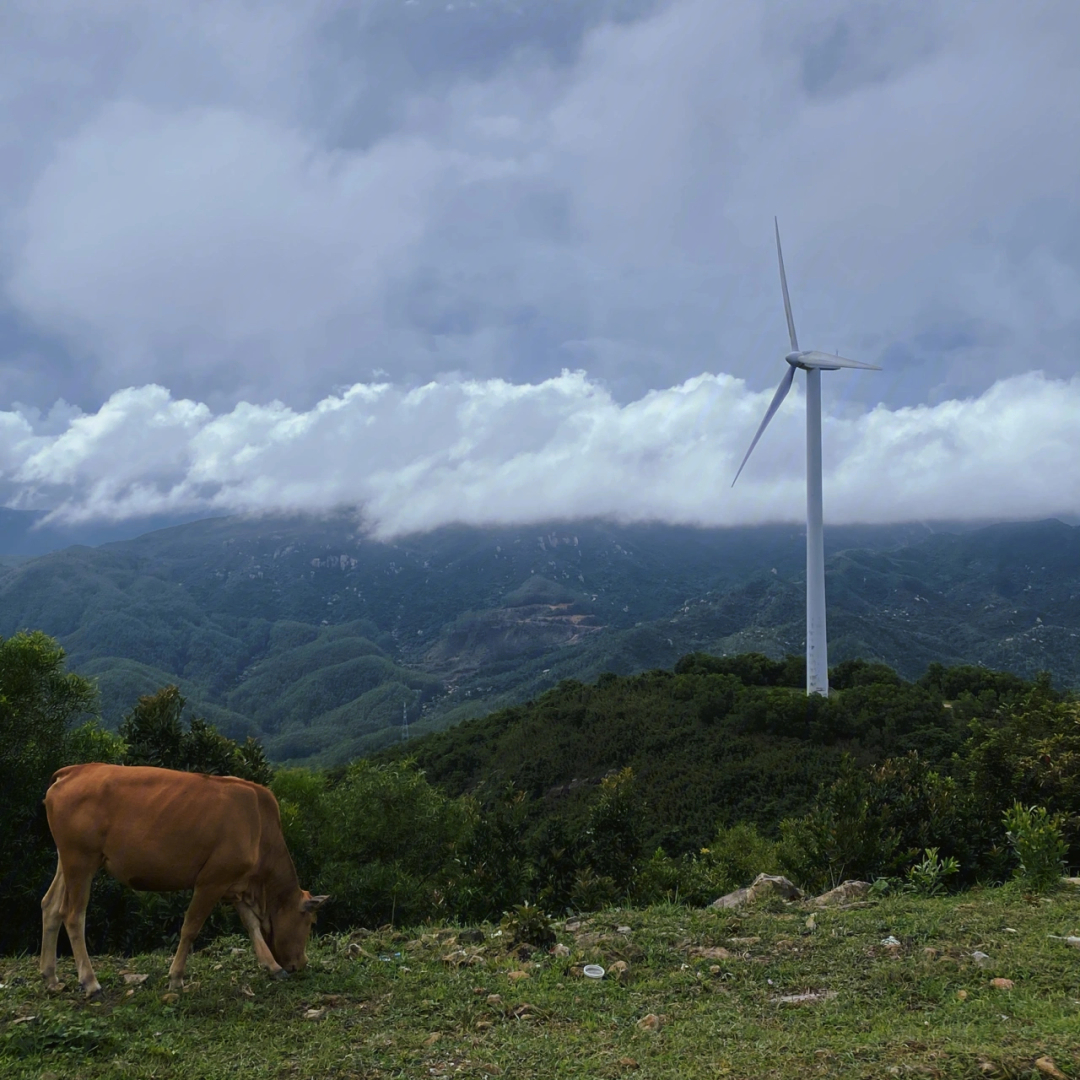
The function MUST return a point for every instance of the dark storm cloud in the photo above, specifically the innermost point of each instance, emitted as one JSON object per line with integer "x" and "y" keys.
{"x": 249, "y": 202}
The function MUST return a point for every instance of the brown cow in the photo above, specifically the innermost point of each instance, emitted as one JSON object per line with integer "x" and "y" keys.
{"x": 160, "y": 830}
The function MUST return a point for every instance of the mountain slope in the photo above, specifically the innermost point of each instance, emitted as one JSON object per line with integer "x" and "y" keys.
{"x": 314, "y": 637}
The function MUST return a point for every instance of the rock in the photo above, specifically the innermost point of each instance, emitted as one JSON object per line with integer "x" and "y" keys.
{"x": 432, "y": 1039}
{"x": 628, "y": 1063}
{"x": 1002, "y": 984}
{"x": 561, "y": 950}
{"x": 622, "y": 930}
{"x": 649, "y": 1023}
{"x": 890, "y": 942}
{"x": 514, "y": 976}
{"x": 714, "y": 952}
{"x": 135, "y": 980}
{"x": 314, "y": 1014}
{"x": 763, "y": 885}
{"x": 620, "y": 971}
{"x": 844, "y": 893}
{"x": 931, "y": 953}
{"x": 981, "y": 959}
{"x": 809, "y": 998}
{"x": 494, "y": 999}
{"x": 170, "y": 999}
{"x": 1046, "y": 1066}
{"x": 961, "y": 995}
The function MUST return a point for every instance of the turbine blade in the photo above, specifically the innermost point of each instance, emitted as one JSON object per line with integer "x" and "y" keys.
{"x": 778, "y": 397}
{"x": 829, "y": 361}
{"x": 783, "y": 285}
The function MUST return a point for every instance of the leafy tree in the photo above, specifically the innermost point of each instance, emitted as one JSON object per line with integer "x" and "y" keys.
{"x": 154, "y": 734}
{"x": 38, "y": 701}
{"x": 388, "y": 845}
{"x": 875, "y": 822}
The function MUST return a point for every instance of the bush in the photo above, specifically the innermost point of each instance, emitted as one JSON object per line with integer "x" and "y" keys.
{"x": 388, "y": 845}
{"x": 1036, "y": 836}
{"x": 612, "y": 835}
{"x": 928, "y": 877}
{"x": 154, "y": 735}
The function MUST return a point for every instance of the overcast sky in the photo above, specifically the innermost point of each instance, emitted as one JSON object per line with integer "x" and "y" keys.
{"x": 305, "y": 254}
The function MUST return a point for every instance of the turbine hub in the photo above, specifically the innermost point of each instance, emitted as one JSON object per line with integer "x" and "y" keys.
{"x": 793, "y": 359}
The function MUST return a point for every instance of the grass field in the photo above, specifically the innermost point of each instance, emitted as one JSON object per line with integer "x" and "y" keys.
{"x": 703, "y": 995}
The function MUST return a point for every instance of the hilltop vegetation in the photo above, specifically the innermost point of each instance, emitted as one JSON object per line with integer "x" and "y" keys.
{"x": 663, "y": 786}
{"x": 316, "y": 639}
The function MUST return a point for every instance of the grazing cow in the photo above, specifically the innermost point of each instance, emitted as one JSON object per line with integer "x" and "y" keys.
{"x": 161, "y": 830}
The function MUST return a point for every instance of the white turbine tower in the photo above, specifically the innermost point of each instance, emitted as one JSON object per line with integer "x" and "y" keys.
{"x": 813, "y": 363}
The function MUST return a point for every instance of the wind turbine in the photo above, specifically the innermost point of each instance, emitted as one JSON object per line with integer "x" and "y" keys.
{"x": 813, "y": 363}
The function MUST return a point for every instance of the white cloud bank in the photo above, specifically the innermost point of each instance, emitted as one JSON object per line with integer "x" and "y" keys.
{"x": 485, "y": 452}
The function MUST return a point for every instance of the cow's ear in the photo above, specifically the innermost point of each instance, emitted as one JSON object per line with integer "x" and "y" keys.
{"x": 312, "y": 903}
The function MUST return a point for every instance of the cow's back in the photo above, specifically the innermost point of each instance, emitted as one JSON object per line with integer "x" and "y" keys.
{"x": 157, "y": 829}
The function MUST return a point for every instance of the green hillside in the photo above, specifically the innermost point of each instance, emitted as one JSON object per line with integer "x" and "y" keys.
{"x": 315, "y": 638}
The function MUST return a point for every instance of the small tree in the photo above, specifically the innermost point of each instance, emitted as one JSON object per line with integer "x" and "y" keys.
{"x": 38, "y": 701}
{"x": 154, "y": 734}
{"x": 1036, "y": 837}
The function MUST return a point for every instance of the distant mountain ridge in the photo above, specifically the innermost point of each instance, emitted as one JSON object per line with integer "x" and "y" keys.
{"x": 315, "y": 638}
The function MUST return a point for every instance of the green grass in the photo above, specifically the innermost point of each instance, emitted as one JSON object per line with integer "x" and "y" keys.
{"x": 393, "y": 1006}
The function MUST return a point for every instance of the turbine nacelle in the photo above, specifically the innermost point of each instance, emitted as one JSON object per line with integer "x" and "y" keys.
{"x": 812, "y": 360}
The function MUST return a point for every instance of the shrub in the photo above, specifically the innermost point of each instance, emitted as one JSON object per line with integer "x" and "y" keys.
{"x": 1036, "y": 836}
{"x": 388, "y": 845}
{"x": 612, "y": 834}
{"x": 928, "y": 877}
{"x": 526, "y": 924}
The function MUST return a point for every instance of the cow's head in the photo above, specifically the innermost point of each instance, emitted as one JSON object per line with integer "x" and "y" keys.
{"x": 291, "y": 928}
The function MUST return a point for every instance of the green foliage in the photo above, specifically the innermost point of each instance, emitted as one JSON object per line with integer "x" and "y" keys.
{"x": 154, "y": 734}
{"x": 1036, "y": 836}
{"x": 612, "y": 833}
{"x": 38, "y": 702}
{"x": 93, "y": 742}
{"x": 387, "y": 845}
{"x": 735, "y": 856}
{"x": 496, "y": 869}
{"x": 49, "y": 1035}
{"x": 927, "y": 878}
{"x": 1026, "y": 750}
{"x": 873, "y": 822}
{"x": 526, "y": 924}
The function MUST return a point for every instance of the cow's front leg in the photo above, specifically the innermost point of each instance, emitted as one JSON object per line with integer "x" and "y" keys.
{"x": 262, "y": 951}
{"x": 202, "y": 903}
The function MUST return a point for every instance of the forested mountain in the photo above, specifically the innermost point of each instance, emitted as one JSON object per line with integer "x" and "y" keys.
{"x": 315, "y": 638}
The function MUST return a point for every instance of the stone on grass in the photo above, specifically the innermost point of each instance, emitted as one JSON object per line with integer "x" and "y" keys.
{"x": 1002, "y": 984}
{"x": 1046, "y": 1066}
{"x": 763, "y": 885}
{"x": 844, "y": 893}
{"x": 649, "y": 1023}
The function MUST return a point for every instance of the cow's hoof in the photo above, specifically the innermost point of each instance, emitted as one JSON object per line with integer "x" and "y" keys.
{"x": 97, "y": 994}
{"x": 281, "y": 973}
{"x": 54, "y": 986}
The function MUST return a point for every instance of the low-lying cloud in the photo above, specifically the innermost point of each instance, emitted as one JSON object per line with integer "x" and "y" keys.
{"x": 486, "y": 452}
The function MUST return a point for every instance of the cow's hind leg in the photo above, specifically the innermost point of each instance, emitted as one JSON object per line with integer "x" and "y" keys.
{"x": 76, "y": 880}
{"x": 202, "y": 903}
{"x": 51, "y": 921}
